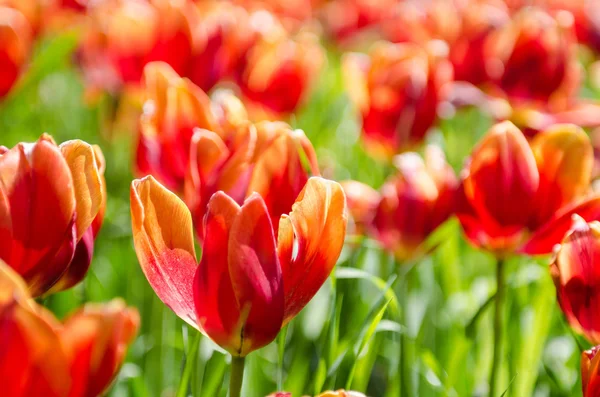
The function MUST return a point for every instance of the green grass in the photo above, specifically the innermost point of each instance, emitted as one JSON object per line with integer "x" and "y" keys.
{"x": 350, "y": 334}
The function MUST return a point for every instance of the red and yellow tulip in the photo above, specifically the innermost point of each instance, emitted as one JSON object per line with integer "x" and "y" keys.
{"x": 252, "y": 279}
{"x": 518, "y": 196}
{"x": 52, "y": 202}
{"x": 39, "y": 356}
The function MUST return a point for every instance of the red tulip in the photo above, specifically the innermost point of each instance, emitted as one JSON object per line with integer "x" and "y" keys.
{"x": 590, "y": 372}
{"x": 362, "y": 203}
{"x": 412, "y": 204}
{"x": 397, "y": 90}
{"x": 41, "y": 357}
{"x": 520, "y": 197}
{"x": 532, "y": 59}
{"x": 576, "y": 276}
{"x": 252, "y": 279}
{"x": 50, "y": 200}
{"x": 15, "y": 41}
{"x": 173, "y": 108}
{"x": 138, "y": 32}
{"x": 278, "y": 72}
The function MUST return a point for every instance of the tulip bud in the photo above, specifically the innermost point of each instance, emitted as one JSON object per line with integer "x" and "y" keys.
{"x": 341, "y": 393}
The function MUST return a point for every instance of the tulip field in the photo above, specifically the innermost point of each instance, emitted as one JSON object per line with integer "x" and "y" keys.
{"x": 329, "y": 198}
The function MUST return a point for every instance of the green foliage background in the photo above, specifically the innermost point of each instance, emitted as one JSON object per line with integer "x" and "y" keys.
{"x": 349, "y": 335}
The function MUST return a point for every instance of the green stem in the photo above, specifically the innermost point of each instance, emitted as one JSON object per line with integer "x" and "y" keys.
{"x": 498, "y": 325}
{"x": 190, "y": 361}
{"x": 236, "y": 376}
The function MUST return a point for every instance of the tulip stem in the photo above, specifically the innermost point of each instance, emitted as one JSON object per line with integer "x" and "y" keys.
{"x": 236, "y": 376}
{"x": 498, "y": 325}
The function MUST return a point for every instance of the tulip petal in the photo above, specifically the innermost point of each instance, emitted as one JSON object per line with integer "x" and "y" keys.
{"x": 256, "y": 275}
{"x": 87, "y": 182}
{"x": 590, "y": 372}
{"x": 565, "y": 159}
{"x": 96, "y": 339}
{"x": 38, "y": 186}
{"x": 552, "y": 232}
{"x": 82, "y": 258}
{"x": 310, "y": 241}
{"x": 216, "y": 304}
{"x": 164, "y": 242}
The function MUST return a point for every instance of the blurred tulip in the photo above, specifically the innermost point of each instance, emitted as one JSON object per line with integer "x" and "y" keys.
{"x": 576, "y": 276}
{"x": 32, "y": 10}
{"x": 15, "y": 42}
{"x": 362, "y": 203}
{"x": 41, "y": 357}
{"x": 173, "y": 108}
{"x": 520, "y": 197}
{"x": 397, "y": 90}
{"x": 532, "y": 58}
{"x": 268, "y": 158}
{"x": 51, "y": 206}
{"x": 590, "y": 372}
{"x": 414, "y": 202}
{"x": 252, "y": 279}
{"x": 278, "y": 73}
{"x": 138, "y": 32}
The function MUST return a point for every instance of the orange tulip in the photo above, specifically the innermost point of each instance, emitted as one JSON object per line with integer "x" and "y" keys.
{"x": 278, "y": 73}
{"x": 397, "y": 90}
{"x": 411, "y": 205}
{"x": 520, "y": 197}
{"x": 252, "y": 279}
{"x": 590, "y": 372}
{"x": 41, "y": 357}
{"x": 173, "y": 108}
{"x": 576, "y": 276}
{"x": 532, "y": 59}
{"x": 15, "y": 42}
{"x": 51, "y": 206}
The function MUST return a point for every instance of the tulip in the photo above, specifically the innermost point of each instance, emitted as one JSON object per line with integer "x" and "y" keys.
{"x": 590, "y": 376}
{"x": 15, "y": 42}
{"x": 396, "y": 90}
{"x": 173, "y": 108}
{"x": 278, "y": 72}
{"x": 252, "y": 279}
{"x": 39, "y": 356}
{"x": 52, "y": 202}
{"x": 576, "y": 277}
{"x": 267, "y": 158}
{"x": 519, "y": 197}
{"x": 410, "y": 205}
{"x": 532, "y": 59}
{"x": 138, "y": 32}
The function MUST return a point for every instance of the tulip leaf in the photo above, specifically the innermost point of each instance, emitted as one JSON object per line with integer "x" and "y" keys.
{"x": 190, "y": 363}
